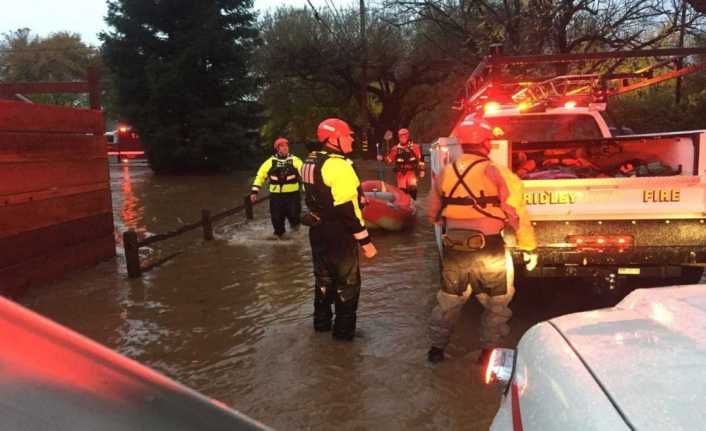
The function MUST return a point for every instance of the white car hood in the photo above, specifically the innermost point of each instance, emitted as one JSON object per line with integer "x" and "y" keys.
{"x": 649, "y": 355}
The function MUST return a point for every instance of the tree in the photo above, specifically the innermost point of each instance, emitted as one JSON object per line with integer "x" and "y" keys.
{"x": 550, "y": 26}
{"x": 698, "y": 5}
{"x": 182, "y": 75}
{"x": 563, "y": 26}
{"x": 60, "y": 57}
{"x": 311, "y": 64}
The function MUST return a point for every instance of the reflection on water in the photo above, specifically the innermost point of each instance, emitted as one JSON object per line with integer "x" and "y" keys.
{"x": 131, "y": 211}
{"x": 232, "y": 317}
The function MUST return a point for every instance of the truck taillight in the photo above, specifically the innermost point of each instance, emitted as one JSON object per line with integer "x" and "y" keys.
{"x": 588, "y": 242}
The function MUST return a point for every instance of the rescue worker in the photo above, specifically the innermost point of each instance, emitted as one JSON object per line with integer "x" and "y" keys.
{"x": 337, "y": 229}
{"x": 476, "y": 199}
{"x": 407, "y": 160}
{"x": 283, "y": 171}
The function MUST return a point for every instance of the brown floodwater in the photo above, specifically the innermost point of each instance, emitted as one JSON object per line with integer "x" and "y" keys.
{"x": 232, "y": 317}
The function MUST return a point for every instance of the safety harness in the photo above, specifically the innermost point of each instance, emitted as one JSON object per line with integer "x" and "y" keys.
{"x": 317, "y": 195}
{"x": 406, "y": 159}
{"x": 283, "y": 172}
{"x": 479, "y": 203}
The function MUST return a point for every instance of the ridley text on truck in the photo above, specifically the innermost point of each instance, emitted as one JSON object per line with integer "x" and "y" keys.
{"x": 603, "y": 207}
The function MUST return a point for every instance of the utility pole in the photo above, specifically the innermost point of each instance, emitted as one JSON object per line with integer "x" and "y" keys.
{"x": 680, "y": 61}
{"x": 363, "y": 80}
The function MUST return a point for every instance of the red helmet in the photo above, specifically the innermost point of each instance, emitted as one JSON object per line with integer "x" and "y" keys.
{"x": 332, "y": 128}
{"x": 280, "y": 141}
{"x": 403, "y": 132}
{"x": 474, "y": 130}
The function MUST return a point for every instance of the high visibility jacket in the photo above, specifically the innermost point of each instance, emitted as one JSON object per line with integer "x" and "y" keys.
{"x": 283, "y": 175}
{"x": 476, "y": 190}
{"x": 331, "y": 188}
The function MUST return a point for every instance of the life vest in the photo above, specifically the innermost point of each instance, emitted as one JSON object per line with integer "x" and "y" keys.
{"x": 283, "y": 172}
{"x": 467, "y": 193}
{"x": 317, "y": 195}
{"x": 406, "y": 159}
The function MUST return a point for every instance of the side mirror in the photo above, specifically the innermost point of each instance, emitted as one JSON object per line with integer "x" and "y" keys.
{"x": 500, "y": 367}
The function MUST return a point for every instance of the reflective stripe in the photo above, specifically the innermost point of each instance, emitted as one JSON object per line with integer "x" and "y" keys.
{"x": 291, "y": 177}
{"x": 308, "y": 173}
{"x": 361, "y": 235}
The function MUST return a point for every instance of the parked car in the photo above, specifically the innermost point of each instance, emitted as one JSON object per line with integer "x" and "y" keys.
{"x": 52, "y": 378}
{"x": 640, "y": 365}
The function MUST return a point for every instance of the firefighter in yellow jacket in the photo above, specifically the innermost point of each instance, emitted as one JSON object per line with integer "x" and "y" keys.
{"x": 477, "y": 199}
{"x": 283, "y": 172}
{"x": 337, "y": 229}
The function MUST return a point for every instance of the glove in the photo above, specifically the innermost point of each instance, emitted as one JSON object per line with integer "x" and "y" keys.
{"x": 253, "y": 197}
{"x": 421, "y": 174}
{"x": 379, "y": 158}
{"x": 369, "y": 250}
{"x": 530, "y": 259}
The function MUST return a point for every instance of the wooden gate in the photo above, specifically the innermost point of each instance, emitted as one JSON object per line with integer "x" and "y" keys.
{"x": 55, "y": 205}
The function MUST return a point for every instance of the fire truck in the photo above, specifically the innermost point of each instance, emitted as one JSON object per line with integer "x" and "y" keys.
{"x": 124, "y": 143}
{"x": 605, "y": 208}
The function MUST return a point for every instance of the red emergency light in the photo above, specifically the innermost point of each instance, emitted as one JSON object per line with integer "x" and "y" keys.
{"x": 600, "y": 242}
{"x": 491, "y": 107}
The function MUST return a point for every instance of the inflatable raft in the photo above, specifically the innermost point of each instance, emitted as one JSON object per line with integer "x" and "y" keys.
{"x": 388, "y": 207}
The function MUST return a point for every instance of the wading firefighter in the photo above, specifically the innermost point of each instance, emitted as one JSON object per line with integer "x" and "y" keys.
{"x": 337, "y": 229}
{"x": 283, "y": 172}
{"x": 407, "y": 161}
{"x": 476, "y": 199}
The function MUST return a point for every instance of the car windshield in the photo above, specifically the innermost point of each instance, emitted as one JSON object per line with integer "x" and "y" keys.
{"x": 542, "y": 128}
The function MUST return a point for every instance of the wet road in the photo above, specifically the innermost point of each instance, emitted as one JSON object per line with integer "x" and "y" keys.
{"x": 232, "y": 317}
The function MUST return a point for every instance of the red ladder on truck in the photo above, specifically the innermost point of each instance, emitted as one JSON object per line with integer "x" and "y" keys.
{"x": 486, "y": 84}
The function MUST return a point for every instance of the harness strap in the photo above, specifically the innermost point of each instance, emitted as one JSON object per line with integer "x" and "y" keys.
{"x": 477, "y": 202}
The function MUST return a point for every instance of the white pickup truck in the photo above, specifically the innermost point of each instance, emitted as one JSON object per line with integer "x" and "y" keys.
{"x": 605, "y": 208}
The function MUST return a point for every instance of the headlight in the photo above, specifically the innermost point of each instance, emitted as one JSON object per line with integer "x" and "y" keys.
{"x": 499, "y": 367}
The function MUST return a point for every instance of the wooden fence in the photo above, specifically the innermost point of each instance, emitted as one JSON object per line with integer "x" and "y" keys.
{"x": 132, "y": 244}
{"x": 55, "y": 205}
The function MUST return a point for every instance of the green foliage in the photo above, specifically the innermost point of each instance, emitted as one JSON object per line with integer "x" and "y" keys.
{"x": 182, "y": 75}
{"x": 60, "y": 57}
{"x": 655, "y": 109}
{"x": 420, "y": 53}
{"x": 312, "y": 70}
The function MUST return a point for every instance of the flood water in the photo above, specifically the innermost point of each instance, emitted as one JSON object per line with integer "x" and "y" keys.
{"x": 231, "y": 318}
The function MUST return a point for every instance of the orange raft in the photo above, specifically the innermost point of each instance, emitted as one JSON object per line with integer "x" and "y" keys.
{"x": 388, "y": 207}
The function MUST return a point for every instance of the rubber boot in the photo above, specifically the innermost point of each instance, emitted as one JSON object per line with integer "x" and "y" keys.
{"x": 322, "y": 312}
